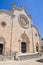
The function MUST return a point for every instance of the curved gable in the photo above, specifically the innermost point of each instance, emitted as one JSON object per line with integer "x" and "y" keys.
{"x": 36, "y": 29}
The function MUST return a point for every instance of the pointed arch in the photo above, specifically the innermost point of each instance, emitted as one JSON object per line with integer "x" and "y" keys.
{"x": 24, "y": 37}
{"x": 24, "y": 43}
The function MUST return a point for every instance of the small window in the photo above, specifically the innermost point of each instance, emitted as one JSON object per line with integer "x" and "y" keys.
{"x": 42, "y": 47}
{"x": 36, "y": 34}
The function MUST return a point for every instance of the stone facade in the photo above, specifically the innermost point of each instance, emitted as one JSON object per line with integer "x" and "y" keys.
{"x": 17, "y": 33}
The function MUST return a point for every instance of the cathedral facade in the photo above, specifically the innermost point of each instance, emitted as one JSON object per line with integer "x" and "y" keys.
{"x": 17, "y": 33}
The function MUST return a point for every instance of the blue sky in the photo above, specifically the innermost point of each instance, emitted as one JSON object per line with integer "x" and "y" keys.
{"x": 34, "y": 7}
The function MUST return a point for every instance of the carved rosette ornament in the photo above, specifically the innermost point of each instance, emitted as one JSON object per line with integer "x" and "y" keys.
{"x": 23, "y": 21}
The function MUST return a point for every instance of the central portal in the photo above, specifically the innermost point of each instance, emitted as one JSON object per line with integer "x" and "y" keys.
{"x": 23, "y": 47}
{"x": 1, "y": 49}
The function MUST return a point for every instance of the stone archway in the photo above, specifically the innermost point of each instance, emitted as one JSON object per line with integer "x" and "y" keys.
{"x": 24, "y": 43}
{"x": 2, "y": 45}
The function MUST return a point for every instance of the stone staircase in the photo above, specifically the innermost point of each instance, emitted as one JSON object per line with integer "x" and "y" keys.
{"x": 29, "y": 56}
{"x": 24, "y": 56}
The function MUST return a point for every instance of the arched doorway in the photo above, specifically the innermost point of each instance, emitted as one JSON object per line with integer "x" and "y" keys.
{"x": 37, "y": 47}
{"x": 2, "y": 45}
{"x": 1, "y": 49}
{"x": 24, "y": 46}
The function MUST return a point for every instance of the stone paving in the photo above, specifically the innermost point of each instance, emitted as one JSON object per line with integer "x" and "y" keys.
{"x": 26, "y": 62}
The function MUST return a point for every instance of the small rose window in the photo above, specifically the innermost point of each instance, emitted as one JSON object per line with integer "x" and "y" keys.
{"x": 3, "y": 23}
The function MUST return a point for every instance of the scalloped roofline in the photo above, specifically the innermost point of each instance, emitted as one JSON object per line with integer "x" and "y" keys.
{"x": 5, "y": 11}
{"x": 9, "y": 12}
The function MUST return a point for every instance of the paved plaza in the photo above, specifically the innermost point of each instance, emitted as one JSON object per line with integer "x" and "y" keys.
{"x": 25, "y": 62}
